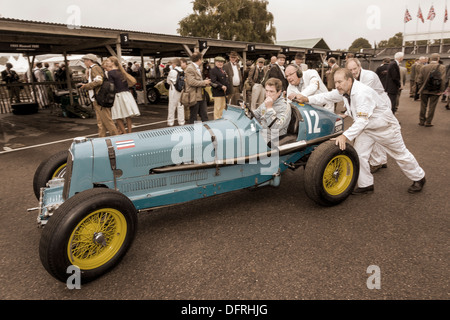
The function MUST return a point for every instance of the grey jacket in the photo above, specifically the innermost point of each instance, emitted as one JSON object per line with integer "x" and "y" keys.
{"x": 277, "y": 118}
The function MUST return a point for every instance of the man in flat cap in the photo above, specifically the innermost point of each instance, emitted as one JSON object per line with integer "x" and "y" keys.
{"x": 95, "y": 76}
{"x": 219, "y": 84}
{"x": 256, "y": 77}
{"x": 277, "y": 70}
{"x": 234, "y": 73}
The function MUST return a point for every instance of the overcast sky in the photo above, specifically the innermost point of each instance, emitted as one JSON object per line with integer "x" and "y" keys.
{"x": 338, "y": 22}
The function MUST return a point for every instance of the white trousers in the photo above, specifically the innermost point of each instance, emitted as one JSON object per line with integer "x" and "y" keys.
{"x": 378, "y": 155}
{"x": 389, "y": 137}
{"x": 258, "y": 95}
{"x": 175, "y": 105}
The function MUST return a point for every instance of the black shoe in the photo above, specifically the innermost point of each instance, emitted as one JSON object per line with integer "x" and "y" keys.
{"x": 421, "y": 124}
{"x": 429, "y": 125}
{"x": 447, "y": 107}
{"x": 374, "y": 169}
{"x": 364, "y": 190}
{"x": 417, "y": 186}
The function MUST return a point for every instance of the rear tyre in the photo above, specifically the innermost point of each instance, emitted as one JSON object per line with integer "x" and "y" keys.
{"x": 52, "y": 167}
{"x": 93, "y": 230}
{"x": 331, "y": 174}
{"x": 152, "y": 95}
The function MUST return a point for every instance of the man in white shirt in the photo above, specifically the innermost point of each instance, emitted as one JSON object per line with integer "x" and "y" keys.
{"x": 174, "y": 95}
{"x": 306, "y": 83}
{"x": 373, "y": 123}
{"x": 378, "y": 158}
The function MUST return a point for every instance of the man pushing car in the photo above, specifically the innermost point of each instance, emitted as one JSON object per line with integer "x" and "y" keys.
{"x": 373, "y": 122}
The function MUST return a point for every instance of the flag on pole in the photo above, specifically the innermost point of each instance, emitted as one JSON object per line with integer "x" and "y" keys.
{"x": 420, "y": 15}
{"x": 431, "y": 14}
{"x": 446, "y": 14}
{"x": 407, "y": 16}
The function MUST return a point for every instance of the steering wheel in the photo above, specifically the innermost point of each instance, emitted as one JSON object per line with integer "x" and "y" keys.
{"x": 244, "y": 105}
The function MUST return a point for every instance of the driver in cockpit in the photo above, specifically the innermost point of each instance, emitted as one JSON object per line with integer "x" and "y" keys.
{"x": 274, "y": 113}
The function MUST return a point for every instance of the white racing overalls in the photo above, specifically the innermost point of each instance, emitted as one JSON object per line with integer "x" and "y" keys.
{"x": 174, "y": 99}
{"x": 373, "y": 122}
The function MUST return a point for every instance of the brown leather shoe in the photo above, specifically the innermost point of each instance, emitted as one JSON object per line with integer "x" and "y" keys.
{"x": 364, "y": 190}
{"x": 417, "y": 186}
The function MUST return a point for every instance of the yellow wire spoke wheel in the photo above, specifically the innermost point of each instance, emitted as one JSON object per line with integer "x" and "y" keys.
{"x": 331, "y": 174}
{"x": 97, "y": 238}
{"x": 338, "y": 175}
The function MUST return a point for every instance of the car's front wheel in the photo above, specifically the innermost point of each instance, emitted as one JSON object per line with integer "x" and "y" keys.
{"x": 92, "y": 230}
{"x": 331, "y": 174}
{"x": 53, "y": 167}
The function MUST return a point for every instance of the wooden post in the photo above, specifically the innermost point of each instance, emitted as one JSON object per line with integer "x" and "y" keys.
{"x": 119, "y": 48}
{"x": 244, "y": 62}
{"x": 68, "y": 79}
{"x": 33, "y": 86}
{"x": 323, "y": 58}
{"x": 188, "y": 51}
{"x": 144, "y": 86}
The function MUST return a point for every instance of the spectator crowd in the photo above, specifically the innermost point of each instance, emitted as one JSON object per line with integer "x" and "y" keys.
{"x": 370, "y": 98}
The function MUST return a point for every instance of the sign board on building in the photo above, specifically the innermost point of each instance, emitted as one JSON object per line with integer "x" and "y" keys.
{"x": 24, "y": 47}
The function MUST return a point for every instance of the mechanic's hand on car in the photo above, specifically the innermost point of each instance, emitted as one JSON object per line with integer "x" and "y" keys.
{"x": 298, "y": 97}
{"x": 340, "y": 141}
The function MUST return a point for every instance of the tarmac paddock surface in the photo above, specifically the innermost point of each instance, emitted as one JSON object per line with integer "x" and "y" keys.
{"x": 263, "y": 244}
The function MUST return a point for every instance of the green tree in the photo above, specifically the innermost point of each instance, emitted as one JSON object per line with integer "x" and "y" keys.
{"x": 240, "y": 20}
{"x": 395, "y": 41}
{"x": 358, "y": 44}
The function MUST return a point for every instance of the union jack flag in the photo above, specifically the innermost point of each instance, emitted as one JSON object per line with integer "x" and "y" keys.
{"x": 420, "y": 15}
{"x": 407, "y": 16}
{"x": 446, "y": 15}
{"x": 431, "y": 14}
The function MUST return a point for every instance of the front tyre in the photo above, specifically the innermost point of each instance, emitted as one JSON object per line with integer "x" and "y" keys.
{"x": 93, "y": 230}
{"x": 331, "y": 174}
{"x": 53, "y": 167}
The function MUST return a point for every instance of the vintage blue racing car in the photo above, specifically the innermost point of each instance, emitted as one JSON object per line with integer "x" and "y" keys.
{"x": 90, "y": 195}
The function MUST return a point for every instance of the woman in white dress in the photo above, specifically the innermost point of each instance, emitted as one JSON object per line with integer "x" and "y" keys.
{"x": 125, "y": 107}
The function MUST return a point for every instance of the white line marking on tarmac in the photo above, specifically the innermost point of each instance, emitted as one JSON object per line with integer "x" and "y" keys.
{"x": 70, "y": 139}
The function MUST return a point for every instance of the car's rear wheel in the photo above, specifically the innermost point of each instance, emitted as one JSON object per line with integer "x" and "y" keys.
{"x": 93, "y": 230}
{"x": 152, "y": 95}
{"x": 331, "y": 174}
{"x": 53, "y": 167}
